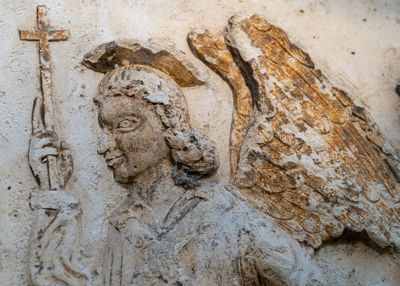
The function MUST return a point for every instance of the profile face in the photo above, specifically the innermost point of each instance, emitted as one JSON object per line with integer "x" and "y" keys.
{"x": 132, "y": 136}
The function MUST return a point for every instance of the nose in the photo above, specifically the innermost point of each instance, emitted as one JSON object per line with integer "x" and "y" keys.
{"x": 106, "y": 142}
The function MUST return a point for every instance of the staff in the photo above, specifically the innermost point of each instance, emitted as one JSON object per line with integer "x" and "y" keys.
{"x": 44, "y": 36}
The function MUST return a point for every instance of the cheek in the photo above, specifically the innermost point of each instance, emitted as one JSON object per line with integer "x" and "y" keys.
{"x": 127, "y": 142}
{"x": 139, "y": 142}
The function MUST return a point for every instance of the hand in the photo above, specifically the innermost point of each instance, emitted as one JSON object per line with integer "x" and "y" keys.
{"x": 45, "y": 143}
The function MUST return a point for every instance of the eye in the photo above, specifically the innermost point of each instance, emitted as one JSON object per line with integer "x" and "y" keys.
{"x": 128, "y": 124}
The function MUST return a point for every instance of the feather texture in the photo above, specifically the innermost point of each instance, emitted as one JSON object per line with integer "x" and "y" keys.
{"x": 301, "y": 150}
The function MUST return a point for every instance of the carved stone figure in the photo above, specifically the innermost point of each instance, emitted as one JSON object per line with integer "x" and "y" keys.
{"x": 301, "y": 150}
{"x": 162, "y": 234}
{"x": 171, "y": 230}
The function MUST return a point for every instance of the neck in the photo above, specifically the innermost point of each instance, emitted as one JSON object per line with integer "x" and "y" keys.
{"x": 156, "y": 188}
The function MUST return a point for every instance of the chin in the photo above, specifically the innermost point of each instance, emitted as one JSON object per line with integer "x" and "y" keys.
{"x": 122, "y": 180}
{"x": 123, "y": 177}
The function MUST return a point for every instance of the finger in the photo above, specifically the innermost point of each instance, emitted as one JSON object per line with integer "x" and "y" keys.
{"x": 42, "y": 154}
{"x": 46, "y": 134}
{"x": 64, "y": 145}
{"x": 47, "y": 142}
{"x": 37, "y": 119}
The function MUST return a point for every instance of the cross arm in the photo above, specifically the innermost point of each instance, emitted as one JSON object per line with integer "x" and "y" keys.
{"x": 29, "y": 35}
{"x": 58, "y": 35}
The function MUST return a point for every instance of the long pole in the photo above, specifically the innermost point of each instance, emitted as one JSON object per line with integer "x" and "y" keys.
{"x": 44, "y": 36}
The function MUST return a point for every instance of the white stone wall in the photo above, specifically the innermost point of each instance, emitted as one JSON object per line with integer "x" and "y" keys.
{"x": 354, "y": 43}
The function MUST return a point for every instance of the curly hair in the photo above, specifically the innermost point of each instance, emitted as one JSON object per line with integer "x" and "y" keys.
{"x": 191, "y": 153}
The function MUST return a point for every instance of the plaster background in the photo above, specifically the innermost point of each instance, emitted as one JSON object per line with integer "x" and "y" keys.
{"x": 328, "y": 30}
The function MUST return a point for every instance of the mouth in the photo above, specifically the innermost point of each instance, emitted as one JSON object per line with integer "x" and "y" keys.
{"x": 114, "y": 162}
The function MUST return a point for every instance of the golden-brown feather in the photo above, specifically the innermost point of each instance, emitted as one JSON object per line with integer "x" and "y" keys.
{"x": 304, "y": 153}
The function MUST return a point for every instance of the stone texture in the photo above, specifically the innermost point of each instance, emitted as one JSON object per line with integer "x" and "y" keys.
{"x": 107, "y": 56}
{"x": 352, "y": 42}
{"x": 172, "y": 229}
{"x": 212, "y": 49}
{"x": 311, "y": 158}
{"x": 345, "y": 261}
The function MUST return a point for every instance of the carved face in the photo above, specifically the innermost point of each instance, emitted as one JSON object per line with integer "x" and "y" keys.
{"x": 132, "y": 139}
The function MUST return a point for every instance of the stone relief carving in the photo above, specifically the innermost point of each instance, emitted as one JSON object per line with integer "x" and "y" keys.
{"x": 301, "y": 150}
{"x": 172, "y": 229}
{"x": 52, "y": 258}
{"x": 105, "y": 57}
{"x": 166, "y": 235}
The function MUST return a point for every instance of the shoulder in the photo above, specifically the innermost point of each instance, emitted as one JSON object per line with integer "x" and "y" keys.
{"x": 226, "y": 202}
{"x": 217, "y": 190}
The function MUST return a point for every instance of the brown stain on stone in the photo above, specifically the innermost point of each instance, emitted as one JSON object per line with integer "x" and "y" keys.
{"x": 321, "y": 165}
{"x": 107, "y": 56}
{"x": 212, "y": 50}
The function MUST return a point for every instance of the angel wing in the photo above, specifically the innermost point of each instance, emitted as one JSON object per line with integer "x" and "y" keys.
{"x": 301, "y": 150}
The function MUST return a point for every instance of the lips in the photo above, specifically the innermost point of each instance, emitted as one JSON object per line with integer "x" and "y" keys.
{"x": 114, "y": 161}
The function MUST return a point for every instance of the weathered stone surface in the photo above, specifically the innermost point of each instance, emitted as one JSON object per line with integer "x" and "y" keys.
{"x": 106, "y": 57}
{"x": 171, "y": 230}
{"x": 351, "y": 258}
{"x": 211, "y": 49}
{"x": 310, "y": 157}
{"x": 352, "y": 42}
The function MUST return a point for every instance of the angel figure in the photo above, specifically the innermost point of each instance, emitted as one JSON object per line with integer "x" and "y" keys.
{"x": 172, "y": 229}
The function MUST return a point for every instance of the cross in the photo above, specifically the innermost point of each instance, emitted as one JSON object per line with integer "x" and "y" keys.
{"x": 44, "y": 35}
